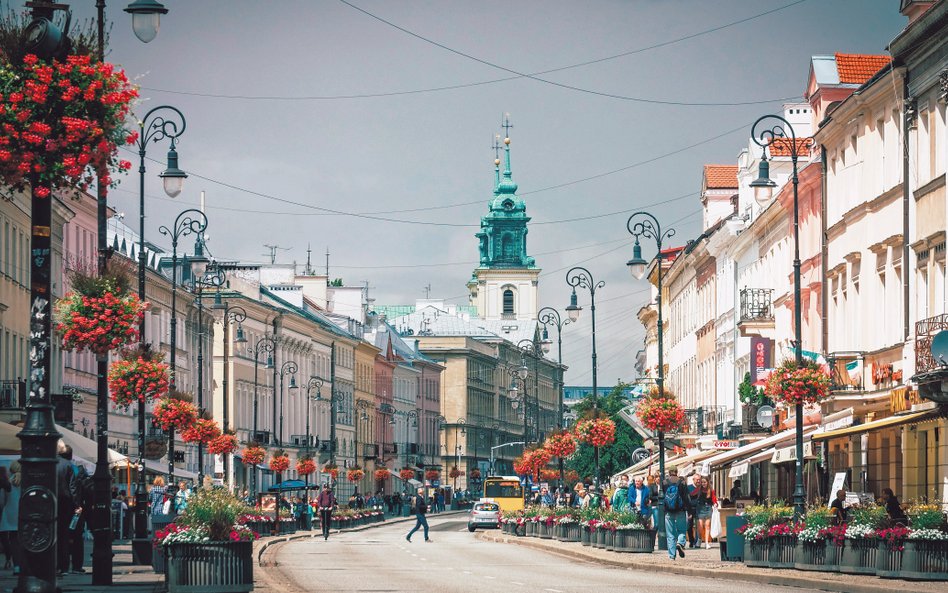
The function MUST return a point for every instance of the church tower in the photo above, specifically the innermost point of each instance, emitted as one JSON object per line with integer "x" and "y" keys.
{"x": 504, "y": 285}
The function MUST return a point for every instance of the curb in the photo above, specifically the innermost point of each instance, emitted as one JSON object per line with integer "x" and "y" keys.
{"x": 788, "y": 580}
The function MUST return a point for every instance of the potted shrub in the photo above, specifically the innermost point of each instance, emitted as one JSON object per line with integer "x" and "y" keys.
{"x": 782, "y": 539}
{"x": 926, "y": 546}
{"x": 862, "y": 541}
{"x": 208, "y": 547}
{"x": 569, "y": 526}
{"x": 631, "y": 535}
{"x": 755, "y": 535}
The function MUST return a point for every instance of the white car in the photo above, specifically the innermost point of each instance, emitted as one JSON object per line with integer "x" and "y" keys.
{"x": 484, "y": 514}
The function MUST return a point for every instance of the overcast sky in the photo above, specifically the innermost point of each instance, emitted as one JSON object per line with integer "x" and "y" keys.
{"x": 426, "y": 156}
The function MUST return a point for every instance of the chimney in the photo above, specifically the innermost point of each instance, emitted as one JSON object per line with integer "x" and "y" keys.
{"x": 418, "y": 347}
{"x": 913, "y": 9}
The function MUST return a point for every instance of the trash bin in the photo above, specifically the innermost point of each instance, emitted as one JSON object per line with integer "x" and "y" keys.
{"x": 735, "y": 540}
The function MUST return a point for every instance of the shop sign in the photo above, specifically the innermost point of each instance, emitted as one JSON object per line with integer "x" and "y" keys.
{"x": 790, "y": 453}
{"x": 155, "y": 449}
{"x": 725, "y": 445}
{"x": 838, "y": 423}
{"x": 902, "y": 399}
{"x": 738, "y": 470}
{"x": 761, "y": 349}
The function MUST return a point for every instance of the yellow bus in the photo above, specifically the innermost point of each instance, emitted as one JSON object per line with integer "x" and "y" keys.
{"x": 506, "y": 491}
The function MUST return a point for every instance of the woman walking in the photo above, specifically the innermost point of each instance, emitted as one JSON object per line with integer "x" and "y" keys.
{"x": 705, "y": 501}
{"x": 10, "y": 517}
{"x": 156, "y": 496}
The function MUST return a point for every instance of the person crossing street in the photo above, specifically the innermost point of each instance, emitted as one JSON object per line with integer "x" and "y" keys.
{"x": 677, "y": 506}
{"x": 326, "y": 502}
{"x": 420, "y": 506}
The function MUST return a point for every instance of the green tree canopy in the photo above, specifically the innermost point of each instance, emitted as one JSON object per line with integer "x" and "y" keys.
{"x": 617, "y": 456}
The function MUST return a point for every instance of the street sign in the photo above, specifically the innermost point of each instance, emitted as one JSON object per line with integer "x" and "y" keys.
{"x": 640, "y": 455}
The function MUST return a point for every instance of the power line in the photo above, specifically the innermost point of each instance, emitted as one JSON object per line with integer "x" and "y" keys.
{"x": 479, "y": 83}
{"x": 551, "y": 82}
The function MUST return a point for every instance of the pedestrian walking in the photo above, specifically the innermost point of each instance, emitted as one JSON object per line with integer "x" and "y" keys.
{"x": 326, "y": 502}
{"x": 692, "y": 524}
{"x": 9, "y": 519}
{"x": 156, "y": 496}
{"x": 181, "y": 498}
{"x": 705, "y": 501}
{"x": 439, "y": 498}
{"x": 639, "y": 500}
{"x": 620, "y": 498}
{"x": 86, "y": 496}
{"x": 420, "y": 507}
{"x": 67, "y": 497}
{"x": 677, "y": 504}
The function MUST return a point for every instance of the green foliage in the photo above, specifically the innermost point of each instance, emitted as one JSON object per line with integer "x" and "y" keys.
{"x": 336, "y": 282}
{"x": 767, "y": 515}
{"x": 870, "y": 515}
{"x": 926, "y": 516}
{"x": 818, "y": 516}
{"x": 749, "y": 394}
{"x": 615, "y": 457}
{"x": 217, "y": 510}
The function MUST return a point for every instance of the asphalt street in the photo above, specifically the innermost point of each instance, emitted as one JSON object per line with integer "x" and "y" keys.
{"x": 381, "y": 561}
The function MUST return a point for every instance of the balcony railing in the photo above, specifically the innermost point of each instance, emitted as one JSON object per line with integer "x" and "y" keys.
{"x": 925, "y": 331}
{"x": 12, "y": 395}
{"x": 757, "y": 305}
{"x": 846, "y": 370}
{"x": 705, "y": 420}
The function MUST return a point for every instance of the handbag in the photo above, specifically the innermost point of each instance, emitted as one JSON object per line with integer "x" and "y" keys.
{"x": 715, "y": 523}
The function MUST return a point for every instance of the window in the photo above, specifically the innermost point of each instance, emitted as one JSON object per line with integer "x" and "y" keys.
{"x": 508, "y": 302}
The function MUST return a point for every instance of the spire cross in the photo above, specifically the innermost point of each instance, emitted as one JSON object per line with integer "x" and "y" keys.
{"x": 496, "y": 146}
{"x": 506, "y": 125}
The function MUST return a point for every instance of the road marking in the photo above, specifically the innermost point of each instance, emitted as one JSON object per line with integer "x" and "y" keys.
{"x": 489, "y": 577}
{"x": 553, "y": 590}
{"x": 424, "y": 559}
{"x": 467, "y": 572}
{"x": 516, "y": 583}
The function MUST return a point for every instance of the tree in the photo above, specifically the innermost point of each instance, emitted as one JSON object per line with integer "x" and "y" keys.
{"x": 615, "y": 457}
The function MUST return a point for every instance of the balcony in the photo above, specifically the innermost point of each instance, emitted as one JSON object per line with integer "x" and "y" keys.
{"x": 12, "y": 395}
{"x": 262, "y": 437}
{"x": 699, "y": 421}
{"x": 846, "y": 371}
{"x": 757, "y": 311}
{"x": 931, "y": 373}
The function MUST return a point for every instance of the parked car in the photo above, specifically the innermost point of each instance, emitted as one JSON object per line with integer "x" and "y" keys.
{"x": 484, "y": 514}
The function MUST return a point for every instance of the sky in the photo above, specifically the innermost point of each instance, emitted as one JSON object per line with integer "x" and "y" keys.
{"x": 299, "y": 110}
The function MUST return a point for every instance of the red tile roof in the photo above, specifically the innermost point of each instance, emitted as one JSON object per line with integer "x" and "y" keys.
{"x": 781, "y": 147}
{"x": 720, "y": 176}
{"x": 858, "y": 68}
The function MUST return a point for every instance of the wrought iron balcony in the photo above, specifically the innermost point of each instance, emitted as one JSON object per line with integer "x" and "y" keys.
{"x": 704, "y": 420}
{"x": 931, "y": 373}
{"x": 12, "y": 395}
{"x": 757, "y": 311}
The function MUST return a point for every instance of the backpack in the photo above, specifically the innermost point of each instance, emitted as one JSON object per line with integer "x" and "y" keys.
{"x": 594, "y": 501}
{"x": 673, "y": 502}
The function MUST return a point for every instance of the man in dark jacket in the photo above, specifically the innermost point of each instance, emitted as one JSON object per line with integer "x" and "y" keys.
{"x": 420, "y": 507}
{"x": 68, "y": 505}
{"x": 326, "y": 502}
{"x": 677, "y": 505}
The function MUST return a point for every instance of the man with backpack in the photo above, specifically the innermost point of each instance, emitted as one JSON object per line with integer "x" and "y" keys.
{"x": 677, "y": 504}
{"x": 420, "y": 506}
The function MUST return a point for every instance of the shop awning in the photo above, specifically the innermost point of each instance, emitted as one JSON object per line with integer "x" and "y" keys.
{"x": 750, "y": 449}
{"x": 161, "y": 467}
{"x": 889, "y": 422}
{"x": 85, "y": 451}
{"x": 686, "y": 464}
{"x": 788, "y": 454}
{"x": 740, "y": 468}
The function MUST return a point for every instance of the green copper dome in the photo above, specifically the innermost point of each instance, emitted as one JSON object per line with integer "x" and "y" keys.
{"x": 503, "y": 234}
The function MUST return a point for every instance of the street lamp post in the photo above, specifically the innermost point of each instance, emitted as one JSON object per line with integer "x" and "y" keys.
{"x": 160, "y": 123}
{"x": 459, "y": 429}
{"x": 531, "y": 348}
{"x": 362, "y": 416}
{"x": 549, "y": 316}
{"x": 333, "y": 395}
{"x": 781, "y": 131}
{"x": 287, "y": 368}
{"x": 516, "y": 399}
{"x": 238, "y": 315}
{"x": 317, "y": 384}
{"x": 264, "y": 344}
{"x": 583, "y": 278}
{"x": 190, "y": 221}
{"x": 647, "y": 226}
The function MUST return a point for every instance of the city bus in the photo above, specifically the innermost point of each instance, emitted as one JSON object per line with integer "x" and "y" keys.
{"x": 506, "y": 491}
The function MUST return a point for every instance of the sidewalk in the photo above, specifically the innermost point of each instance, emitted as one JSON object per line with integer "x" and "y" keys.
{"x": 708, "y": 563}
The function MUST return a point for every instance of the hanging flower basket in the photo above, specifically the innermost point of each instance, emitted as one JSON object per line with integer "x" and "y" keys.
{"x": 475, "y": 474}
{"x": 253, "y": 454}
{"x": 355, "y": 474}
{"x": 306, "y": 466}
{"x": 204, "y": 430}
{"x": 561, "y": 444}
{"x": 63, "y": 121}
{"x": 406, "y": 474}
{"x": 572, "y": 476}
{"x": 99, "y": 314}
{"x": 332, "y": 470}
{"x": 141, "y": 376}
{"x": 224, "y": 444}
{"x": 175, "y": 411}
{"x": 454, "y": 473}
{"x": 790, "y": 385}
{"x": 598, "y": 432}
{"x": 549, "y": 475}
{"x": 382, "y": 474}
{"x": 432, "y": 474}
{"x": 532, "y": 461}
{"x": 660, "y": 413}
{"x": 280, "y": 461}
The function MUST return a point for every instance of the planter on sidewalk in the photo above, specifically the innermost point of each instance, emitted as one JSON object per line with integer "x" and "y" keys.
{"x": 822, "y": 555}
{"x": 585, "y": 536}
{"x": 925, "y": 560}
{"x": 888, "y": 562}
{"x": 609, "y": 540}
{"x": 573, "y": 532}
{"x": 635, "y": 540}
{"x": 531, "y": 529}
{"x": 780, "y": 553}
{"x": 559, "y": 532}
{"x": 859, "y": 556}
{"x": 214, "y": 567}
{"x": 755, "y": 553}
{"x": 546, "y": 530}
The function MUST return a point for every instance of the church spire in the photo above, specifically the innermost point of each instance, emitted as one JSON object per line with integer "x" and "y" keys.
{"x": 507, "y": 185}
{"x": 496, "y": 148}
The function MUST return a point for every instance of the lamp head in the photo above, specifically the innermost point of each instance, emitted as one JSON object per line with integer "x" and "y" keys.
{"x": 146, "y": 18}
{"x": 269, "y": 364}
{"x": 523, "y": 371}
{"x": 763, "y": 186}
{"x": 240, "y": 338}
{"x": 547, "y": 343}
{"x": 293, "y": 385}
{"x": 637, "y": 264}
{"x": 573, "y": 310}
{"x": 173, "y": 177}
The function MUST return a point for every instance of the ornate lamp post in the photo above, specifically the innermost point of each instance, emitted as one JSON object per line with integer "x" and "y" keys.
{"x": 583, "y": 278}
{"x": 549, "y": 316}
{"x": 238, "y": 315}
{"x": 333, "y": 396}
{"x": 287, "y": 368}
{"x": 781, "y": 131}
{"x": 265, "y": 344}
{"x": 516, "y": 398}
{"x": 317, "y": 384}
{"x": 212, "y": 279}
{"x": 160, "y": 123}
{"x": 532, "y": 349}
{"x": 361, "y": 416}
{"x": 647, "y": 226}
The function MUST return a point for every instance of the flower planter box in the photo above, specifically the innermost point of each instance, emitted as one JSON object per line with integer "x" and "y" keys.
{"x": 635, "y": 540}
{"x": 585, "y": 536}
{"x": 559, "y": 532}
{"x": 780, "y": 553}
{"x": 573, "y": 532}
{"x": 520, "y": 530}
{"x": 158, "y": 561}
{"x": 821, "y": 556}
{"x": 888, "y": 562}
{"x": 214, "y": 567}
{"x": 531, "y": 529}
{"x": 755, "y": 553}
{"x": 545, "y": 531}
{"x": 609, "y": 540}
{"x": 859, "y": 556}
{"x": 925, "y": 560}
{"x": 600, "y": 541}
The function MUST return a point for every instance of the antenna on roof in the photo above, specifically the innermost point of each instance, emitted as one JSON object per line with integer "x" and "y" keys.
{"x": 427, "y": 289}
{"x": 273, "y": 251}
{"x": 309, "y": 267}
